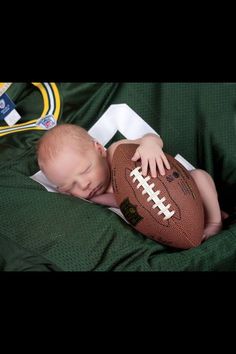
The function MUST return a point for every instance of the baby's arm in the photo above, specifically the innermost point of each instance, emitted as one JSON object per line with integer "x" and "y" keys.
{"x": 107, "y": 199}
{"x": 207, "y": 189}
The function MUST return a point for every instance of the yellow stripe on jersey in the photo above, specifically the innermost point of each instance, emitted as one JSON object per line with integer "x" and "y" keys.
{"x": 51, "y": 105}
{"x": 4, "y": 86}
{"x": 43, "y": 91}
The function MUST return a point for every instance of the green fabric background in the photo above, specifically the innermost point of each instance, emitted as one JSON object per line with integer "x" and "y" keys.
{"x": 46, "y": 231}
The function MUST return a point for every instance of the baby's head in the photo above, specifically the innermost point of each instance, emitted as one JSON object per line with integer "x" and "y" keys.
{"x": 73, "y": 161}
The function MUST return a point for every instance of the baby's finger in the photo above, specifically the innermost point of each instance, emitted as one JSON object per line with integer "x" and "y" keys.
{"x": 160, "y": 167}
{"x": 144, "y": 166}
{"x": 136, "y": 156}
{"x": 165, "y": 161}
{"x": 153, "y": 168}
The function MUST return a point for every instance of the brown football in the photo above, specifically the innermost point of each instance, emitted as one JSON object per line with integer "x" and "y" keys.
{"x": 167, "y": 208}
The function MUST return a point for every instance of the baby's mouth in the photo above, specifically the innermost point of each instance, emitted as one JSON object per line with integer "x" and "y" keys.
{"x": 94, "y": 191}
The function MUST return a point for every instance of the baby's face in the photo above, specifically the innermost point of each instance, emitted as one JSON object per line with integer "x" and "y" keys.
{"x": 84, "y": 175}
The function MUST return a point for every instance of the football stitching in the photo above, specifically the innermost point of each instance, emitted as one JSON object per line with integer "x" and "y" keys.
{"x": 153, "y": 196}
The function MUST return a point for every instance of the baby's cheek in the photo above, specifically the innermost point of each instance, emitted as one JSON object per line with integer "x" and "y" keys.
{"x": 75, "y": 192}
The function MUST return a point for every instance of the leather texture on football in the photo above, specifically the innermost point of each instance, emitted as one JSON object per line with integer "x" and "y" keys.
{"x": 167, "y": 208}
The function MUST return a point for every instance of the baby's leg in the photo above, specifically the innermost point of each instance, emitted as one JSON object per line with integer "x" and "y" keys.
{"x": 207, "y": 189}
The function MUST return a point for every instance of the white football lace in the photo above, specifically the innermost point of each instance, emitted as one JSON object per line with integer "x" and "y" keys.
{"x": 148, "y": 189}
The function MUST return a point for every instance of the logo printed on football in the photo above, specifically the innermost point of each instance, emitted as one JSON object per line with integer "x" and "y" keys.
{"x": 167, "y": 208}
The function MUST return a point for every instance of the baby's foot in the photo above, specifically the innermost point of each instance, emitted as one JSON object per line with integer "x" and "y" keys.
{"x": 211, "y": 229}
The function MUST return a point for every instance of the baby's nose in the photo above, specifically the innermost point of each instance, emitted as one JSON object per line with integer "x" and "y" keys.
{"x": 85, "y": 185}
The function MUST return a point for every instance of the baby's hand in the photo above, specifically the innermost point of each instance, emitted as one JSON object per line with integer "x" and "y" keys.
{"x": 152, "y": 156}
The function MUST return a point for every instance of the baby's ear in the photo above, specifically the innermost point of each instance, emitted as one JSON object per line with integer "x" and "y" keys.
{"x": 100, "y": 148}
